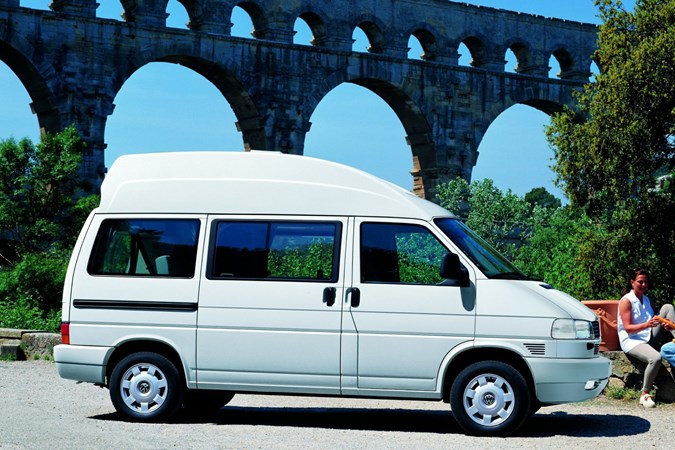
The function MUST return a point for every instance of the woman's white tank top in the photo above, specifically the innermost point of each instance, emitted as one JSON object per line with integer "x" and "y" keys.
{"x": 641, "y": 312}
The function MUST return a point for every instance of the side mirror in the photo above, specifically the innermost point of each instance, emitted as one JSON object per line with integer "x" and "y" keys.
{"x": 453, "y": 272}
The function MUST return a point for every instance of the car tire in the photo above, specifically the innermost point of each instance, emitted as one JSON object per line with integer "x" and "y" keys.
{"x": 146, "y": 387}
{"x": 490, "y": 398}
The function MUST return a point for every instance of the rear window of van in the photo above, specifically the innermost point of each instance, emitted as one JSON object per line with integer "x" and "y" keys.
{"x": 146, "y": 248}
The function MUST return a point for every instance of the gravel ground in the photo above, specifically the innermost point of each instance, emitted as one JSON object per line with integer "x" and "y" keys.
{"x": 39, "y": 410}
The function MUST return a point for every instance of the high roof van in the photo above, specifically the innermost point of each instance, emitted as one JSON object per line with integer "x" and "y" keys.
{"x": 206, "y": 274}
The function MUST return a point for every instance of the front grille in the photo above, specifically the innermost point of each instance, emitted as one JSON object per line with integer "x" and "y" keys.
{"x": 596, "y": 329}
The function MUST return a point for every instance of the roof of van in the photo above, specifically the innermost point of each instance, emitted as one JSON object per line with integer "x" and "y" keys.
{"x": 258, "y": 182}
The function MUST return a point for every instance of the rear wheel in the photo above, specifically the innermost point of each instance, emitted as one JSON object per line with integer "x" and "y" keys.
{"x": 490, "y": 398}
{"x": 146, "y": 387}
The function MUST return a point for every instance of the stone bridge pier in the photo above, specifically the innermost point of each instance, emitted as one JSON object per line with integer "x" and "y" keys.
{"x": 73, "y": 64}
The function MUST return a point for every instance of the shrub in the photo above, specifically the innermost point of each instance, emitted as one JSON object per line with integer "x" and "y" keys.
{"x": 21, "y": 315}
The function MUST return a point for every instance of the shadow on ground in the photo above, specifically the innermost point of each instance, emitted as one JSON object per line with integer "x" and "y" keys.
{"x": 409, "y": 420}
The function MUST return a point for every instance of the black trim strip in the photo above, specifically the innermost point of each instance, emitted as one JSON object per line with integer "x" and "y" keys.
{"x": 135, "y": 305}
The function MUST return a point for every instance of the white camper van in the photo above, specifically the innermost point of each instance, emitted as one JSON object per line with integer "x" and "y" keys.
{"x": 202, "y": 275}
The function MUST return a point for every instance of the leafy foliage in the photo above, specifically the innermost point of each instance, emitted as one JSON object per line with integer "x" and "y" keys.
{"x": 21, "y": 315}
{"x": 613, "y": 156}
{"x": 502, "y": 219}
{"x": 42, "y": 209}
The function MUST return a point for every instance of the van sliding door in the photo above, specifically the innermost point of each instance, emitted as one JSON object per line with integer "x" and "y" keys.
{"x": 269, "y": 306}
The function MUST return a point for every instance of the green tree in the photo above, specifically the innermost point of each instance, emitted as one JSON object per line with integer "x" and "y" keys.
{"x": 611, "y": 156}
{"x": 540, "y": 196}
{"x": 502, "y": 219}
{"x": 42, "y": 208}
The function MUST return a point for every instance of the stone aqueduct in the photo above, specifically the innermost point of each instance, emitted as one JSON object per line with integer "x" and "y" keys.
{"x": 73, "y": 64}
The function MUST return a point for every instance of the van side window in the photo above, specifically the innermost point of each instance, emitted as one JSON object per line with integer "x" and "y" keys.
{"x": 276, "y": 250}
{"x": 146, "y": 247}
{"x": 400, "y": 253}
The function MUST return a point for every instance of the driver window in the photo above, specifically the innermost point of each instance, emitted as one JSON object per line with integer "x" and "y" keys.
{"x": 400, "y": 253}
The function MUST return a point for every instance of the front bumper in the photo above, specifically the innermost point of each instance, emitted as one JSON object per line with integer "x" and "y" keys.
{"x": 559, "y": 380}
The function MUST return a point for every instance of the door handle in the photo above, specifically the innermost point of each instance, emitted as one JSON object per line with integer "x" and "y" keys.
{"x": 329, "y": 296}
{"x": 355, "y": 294}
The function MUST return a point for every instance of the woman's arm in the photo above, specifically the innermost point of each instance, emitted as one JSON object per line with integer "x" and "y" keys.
{"x": 626, "y": 318}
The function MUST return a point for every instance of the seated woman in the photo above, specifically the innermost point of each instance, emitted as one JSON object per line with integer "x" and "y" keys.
{"x": 640, "y": 333}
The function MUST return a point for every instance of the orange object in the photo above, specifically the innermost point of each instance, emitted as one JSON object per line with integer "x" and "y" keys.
{"x": 606, "y": 310}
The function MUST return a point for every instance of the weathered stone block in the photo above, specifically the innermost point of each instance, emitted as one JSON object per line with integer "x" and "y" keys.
{"x": 629, "y": 373}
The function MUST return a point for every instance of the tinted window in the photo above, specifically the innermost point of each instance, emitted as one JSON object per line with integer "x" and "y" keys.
{"x": 276, "y": 250}
{"x": 146, "y": 247}
{"x": 400, "y": 253}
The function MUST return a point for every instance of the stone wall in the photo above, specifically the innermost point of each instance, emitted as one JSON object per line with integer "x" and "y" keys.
{"x": 628, "y": 373}
{"x": 26, "y": 344}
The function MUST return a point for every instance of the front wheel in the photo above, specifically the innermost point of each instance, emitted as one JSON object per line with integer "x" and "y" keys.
{"x": 490, "y": 398}
{"x": 146, "y": 387}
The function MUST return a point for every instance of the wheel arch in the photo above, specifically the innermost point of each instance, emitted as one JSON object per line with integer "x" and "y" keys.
{"x": 476, "y": 354}
{"x": 148, "y": 345}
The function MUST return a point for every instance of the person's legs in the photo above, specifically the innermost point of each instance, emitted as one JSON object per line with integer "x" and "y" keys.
{"x": 668, "y": 312}
{"x": 647, "y": 354}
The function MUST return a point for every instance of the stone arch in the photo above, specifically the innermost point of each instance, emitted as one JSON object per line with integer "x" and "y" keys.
{"x": 412, "y": 118}
{"x": 477, "y": 48}
{"x": 41, "y": 82}
{"x": 249, "y": 121}
{"x": 521, "y": 50}
{"x": 428, "y": 41}
{"x": 317, "y": 24}
{"x": 195, "y": 13}
{"x": 405, "y": 107}
{"x": 565, "y": 59}
{"x": 546, "y": 106}
{"x": 374, "y": 30}
{"x": 259, "y": 18}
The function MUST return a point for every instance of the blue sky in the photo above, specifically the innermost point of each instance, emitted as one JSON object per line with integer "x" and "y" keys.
{"x": 166, "y": 107}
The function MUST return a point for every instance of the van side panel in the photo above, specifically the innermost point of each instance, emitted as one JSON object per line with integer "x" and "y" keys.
{"x": 267, "y": 320}
{"x": 404, "y": 323}
{"x": 109, "y": 310}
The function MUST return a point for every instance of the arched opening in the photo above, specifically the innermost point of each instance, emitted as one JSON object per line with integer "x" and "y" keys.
{"x": 422, "y": 45}
{"x": 595, "y": 71}
{"x": 310, "y": 29}
{"x": 473, "y": 49}
{"x": 360, "y": 41}
{"x": 16, "y": 119}
{"x": 554, "y": 69}
{"x": 242, "y": 24}
{"x": 178, "y": 15}
{"x": 415, "y": 50}
{"x": 464, "y": 55}
{"x": 303, "y": 33}
{"x": 354, "y": 126}
{"x": 248, "y": 20}
{"x": 514, "y": 152}
{"x": 168, "y": 107}
{"x": 561, "y": 61}
{"x": 373, "y": 37}
{"x": 110, "y": 10}
{"x": 511, "y": 65}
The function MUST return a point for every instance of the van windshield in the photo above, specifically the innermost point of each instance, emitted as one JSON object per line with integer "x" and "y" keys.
{"x": 488, "y": 260}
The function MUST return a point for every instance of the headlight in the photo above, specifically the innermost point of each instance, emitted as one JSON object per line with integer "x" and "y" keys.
{"x": 571, "y": 329}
